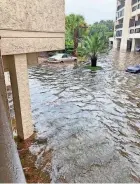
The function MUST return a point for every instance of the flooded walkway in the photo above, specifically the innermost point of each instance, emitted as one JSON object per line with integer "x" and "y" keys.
{"x": 90, "y": 120}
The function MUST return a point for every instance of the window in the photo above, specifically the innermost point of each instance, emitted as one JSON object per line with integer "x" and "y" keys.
{"x": 65, "y": 56}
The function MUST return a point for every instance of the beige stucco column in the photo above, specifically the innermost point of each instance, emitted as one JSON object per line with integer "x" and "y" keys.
{"x": 125, "y": 32}
{"x": 133, "y": 45}
{"x": 21, "y": 96}
{"x": 32, "y": 59}
{"x": 115, "y": 44}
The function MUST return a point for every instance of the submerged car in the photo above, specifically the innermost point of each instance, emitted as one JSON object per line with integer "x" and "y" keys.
{"x": 138, "y": 49}
{"x": 61, "y": 58}
{"x": 133, "y": 69}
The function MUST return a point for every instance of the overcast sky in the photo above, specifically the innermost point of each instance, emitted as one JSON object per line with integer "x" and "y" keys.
{"x": 92, "y": 10}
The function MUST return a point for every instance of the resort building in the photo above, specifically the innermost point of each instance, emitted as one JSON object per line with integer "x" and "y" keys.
{"x": 127, "y": 25}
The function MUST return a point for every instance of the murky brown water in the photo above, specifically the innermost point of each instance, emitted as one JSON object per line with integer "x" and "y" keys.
{"x": 91, "y": 120}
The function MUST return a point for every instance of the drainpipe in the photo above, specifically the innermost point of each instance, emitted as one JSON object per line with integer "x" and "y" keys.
{"x": 10, "y": 166}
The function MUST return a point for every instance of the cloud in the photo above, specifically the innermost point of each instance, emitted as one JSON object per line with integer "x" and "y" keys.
{"x": 92, "y": 10}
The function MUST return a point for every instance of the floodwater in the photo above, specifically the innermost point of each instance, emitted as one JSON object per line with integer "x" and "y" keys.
{"x": 90, "y": 120}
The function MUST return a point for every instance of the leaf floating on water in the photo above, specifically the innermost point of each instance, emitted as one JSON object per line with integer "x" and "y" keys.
{"x": 124, "y": 153}
{"x": 138, "y": 105}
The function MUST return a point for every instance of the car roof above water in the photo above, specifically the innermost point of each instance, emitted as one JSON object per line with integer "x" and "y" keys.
{"x": 57, "y": 56}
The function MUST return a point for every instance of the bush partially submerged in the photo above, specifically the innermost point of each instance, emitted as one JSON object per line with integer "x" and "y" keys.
{"x": 95, "y": 68}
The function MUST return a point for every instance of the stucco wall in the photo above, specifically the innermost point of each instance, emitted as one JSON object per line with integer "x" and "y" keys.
{"x": 28, "y": 45}
{"x": 28, "y": 26}
{"x": 32, "y": 15}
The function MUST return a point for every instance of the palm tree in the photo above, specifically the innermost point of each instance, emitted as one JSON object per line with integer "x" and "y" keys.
{"x": 73, "y": 23}
{"x": 92, "y": 46}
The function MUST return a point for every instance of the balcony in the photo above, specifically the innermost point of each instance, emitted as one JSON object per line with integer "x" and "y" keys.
{"x": 119, "y": 33}
{"x": 132, "y": 23}
{"x": 132, "y": 31}
{"x": 137, "y": 23}
{"x": 120, "y": 14}
{"x": 134, "y": 2}
{"x": 120, "y": 7}
{"x": 134, "y": 8}
{"x": 119, "y": 26}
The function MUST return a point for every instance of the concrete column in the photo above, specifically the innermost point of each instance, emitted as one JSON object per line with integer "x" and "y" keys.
{"x": 115, "y": 44}
{"x": 3, "y": 90}
{"x": 32, "y": 59}
{"x": 133, "y": 45}
{"x": 125, "y": 32}
{"x": 21, "y": 97}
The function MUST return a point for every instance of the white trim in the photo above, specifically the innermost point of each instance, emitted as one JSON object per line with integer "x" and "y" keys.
{"x": 120, "y": 18}
{"x": 120, "y": 9}
{"x": 135, "y": 35}
{"x": 119, "y": 29}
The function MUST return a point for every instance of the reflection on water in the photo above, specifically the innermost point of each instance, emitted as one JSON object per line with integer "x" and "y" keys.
{"x": 91, "y": 120}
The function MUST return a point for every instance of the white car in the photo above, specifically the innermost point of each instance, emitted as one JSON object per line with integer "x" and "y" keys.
{"x": 61, "y": 58}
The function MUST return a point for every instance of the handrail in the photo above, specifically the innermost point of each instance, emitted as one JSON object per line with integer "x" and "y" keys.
{"x": 10, "y": 166}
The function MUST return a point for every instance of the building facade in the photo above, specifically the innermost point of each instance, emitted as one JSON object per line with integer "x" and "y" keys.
{"x": 127, "y": 25}
{"x": 27, "y": 27}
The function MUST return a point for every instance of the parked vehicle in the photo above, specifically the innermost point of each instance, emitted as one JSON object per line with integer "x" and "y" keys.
{"x": 133, "y": 69}
{"x": 138, "y": 49}
{"x": 61, "y": 58}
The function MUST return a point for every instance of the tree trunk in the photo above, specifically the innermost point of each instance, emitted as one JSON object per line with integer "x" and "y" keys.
{"x": 94, "y": 61}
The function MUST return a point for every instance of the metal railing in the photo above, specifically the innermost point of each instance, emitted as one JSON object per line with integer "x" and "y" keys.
{"x": 134, "y": 2}
{"x": 10, "y": 166}
{"x": 134, "y": 8}
{"x": 119, "y": 33}
{"x": 119, "y": 26}
{"x": 132, "y": 23}
{"x": 137, "y": 23}
{"x": 120, "y": 7}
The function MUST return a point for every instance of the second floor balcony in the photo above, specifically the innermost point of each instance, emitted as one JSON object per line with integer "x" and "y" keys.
{"x": 119, "y": 33}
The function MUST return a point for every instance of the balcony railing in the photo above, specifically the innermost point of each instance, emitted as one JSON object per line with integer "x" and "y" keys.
{"x": 134, "y": 2}
{"x": 137, "y": 23}
{"x": 132, "y": 31}
{"x": 132, "y": 23}
{"x": 119, "y": 33}
{"x": 119, "y": 26}
{"x": 134, "y": 8}
{"x": 10, "y": 165}
{"x": 120, "y": 7}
